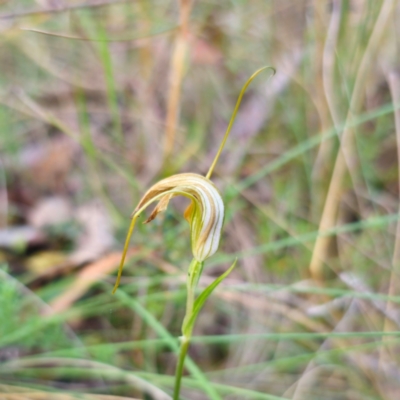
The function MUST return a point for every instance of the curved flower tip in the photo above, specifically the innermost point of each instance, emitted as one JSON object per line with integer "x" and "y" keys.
{"x": 205, "y": 212}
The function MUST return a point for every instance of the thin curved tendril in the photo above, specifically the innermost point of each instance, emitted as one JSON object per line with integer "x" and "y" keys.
{"x": 127, "y": 240}
{"x": 232, "y": 120}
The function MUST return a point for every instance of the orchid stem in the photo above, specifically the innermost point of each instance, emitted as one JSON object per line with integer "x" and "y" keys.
{"x": 194, "y": 272}
{"x": 179, "y": 367}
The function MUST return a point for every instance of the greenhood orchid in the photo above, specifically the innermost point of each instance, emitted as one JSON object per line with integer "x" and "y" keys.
{"x": 205, "y": 212}
{"x": 205, "y": 215}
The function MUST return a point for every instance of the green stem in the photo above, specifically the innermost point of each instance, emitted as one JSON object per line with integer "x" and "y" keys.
{"x": 179, "y": 367}
{"x": 194, "y": 272}
{"x": 189, "y": 309}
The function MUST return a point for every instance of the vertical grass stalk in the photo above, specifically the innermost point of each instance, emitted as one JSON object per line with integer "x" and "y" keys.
{"x": 176, "y": 77}
{"x": 346, "y": 150}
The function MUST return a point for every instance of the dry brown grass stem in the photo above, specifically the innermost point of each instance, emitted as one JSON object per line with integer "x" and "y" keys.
{"x": 89, "y": 275}
{"x": 325, "y": 57}
{"x": 65, "y": 362}
{"x": 37, "y": 395}
{"x": 364, "y": 363}
{"x": 271, "y": 306}
{"x": 328, "y": 60}
{"x": 345, "y": 157}
{"x": 39, "y": 54}
{"x": 393, "y": 79}
{"x": 394, "y": 86}
{"x": 176, "y": 76}
{"x": 60, "y": 9}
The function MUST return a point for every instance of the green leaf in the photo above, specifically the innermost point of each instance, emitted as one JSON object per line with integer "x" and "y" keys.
{"x": 199, "y": 302}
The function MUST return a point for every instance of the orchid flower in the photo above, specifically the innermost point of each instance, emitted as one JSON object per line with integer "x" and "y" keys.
{"x": 205, "y": 213}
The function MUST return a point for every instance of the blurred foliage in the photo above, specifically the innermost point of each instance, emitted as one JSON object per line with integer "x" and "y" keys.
{"x": 85, "y": 90}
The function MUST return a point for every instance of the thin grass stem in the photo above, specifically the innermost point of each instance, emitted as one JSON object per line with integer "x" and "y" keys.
{"x": 176, "y": 77}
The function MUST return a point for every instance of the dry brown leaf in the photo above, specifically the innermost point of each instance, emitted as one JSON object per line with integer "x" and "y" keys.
{"x": 90, "y": 274}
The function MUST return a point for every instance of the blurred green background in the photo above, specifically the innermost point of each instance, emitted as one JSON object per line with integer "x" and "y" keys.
{"x": 100, "y": 99}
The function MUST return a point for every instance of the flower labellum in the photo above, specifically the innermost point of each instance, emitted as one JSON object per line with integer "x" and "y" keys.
{"x": 205, "y": 212}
